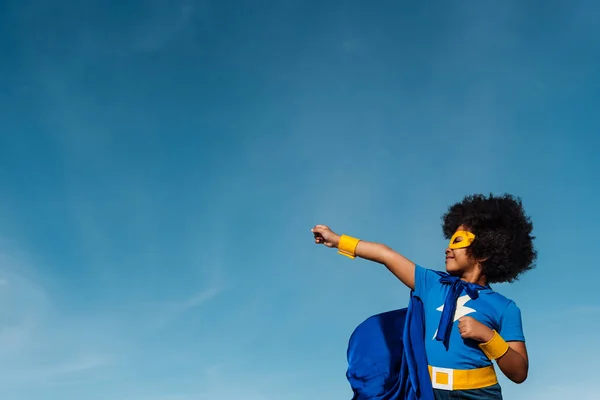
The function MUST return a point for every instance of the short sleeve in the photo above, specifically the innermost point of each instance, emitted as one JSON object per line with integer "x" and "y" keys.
{"x": 511, "y": 325}
{"x": 425, "y": 279}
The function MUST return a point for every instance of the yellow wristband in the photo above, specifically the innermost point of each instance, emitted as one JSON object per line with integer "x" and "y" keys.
{"x": 347, "y": 246}
{"x": 495, "y": 348}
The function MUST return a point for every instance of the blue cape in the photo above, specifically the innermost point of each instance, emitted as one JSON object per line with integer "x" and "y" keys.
{"x": 386, "y": 356}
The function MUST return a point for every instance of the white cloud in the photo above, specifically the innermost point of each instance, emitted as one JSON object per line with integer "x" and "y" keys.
{"x": 586, "y": 309}
{"x": 203, "y": 297}
{"x": 166, "y": 312}
{"x": 38, "y": 344}
{"x": 580, "y": 390}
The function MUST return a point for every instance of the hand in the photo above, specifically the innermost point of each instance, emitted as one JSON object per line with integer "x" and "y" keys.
{"x": 324, "y": 235}
{"x": 470, "y": 328}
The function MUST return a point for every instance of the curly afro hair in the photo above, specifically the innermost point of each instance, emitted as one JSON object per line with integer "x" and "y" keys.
{"x": 503, "y": 234}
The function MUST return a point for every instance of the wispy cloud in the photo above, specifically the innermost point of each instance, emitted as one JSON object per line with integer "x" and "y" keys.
{"x": 160, "y": 314}
{"x": 202, "y": 297}
{"x": 575, "y": 389}
{"x": 588, "y": 309}
{"x": 59, "y": 372}
{"x": 81, "y": 364}
{"x": 47, "y": 348}
{"x": 38, "y": 344}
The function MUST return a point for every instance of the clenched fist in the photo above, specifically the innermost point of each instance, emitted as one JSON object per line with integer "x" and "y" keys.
{"x": 470, "y": 328}
{"x": 324, "y": 235}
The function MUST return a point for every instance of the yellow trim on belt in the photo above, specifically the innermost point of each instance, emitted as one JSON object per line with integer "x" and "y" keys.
{"x": 466, "y": 379}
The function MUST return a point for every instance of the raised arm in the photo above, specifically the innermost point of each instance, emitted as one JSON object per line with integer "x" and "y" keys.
{"x": 400, "y": 266}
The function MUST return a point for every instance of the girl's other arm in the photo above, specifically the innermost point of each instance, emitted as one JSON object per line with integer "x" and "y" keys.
{"x": 515, "y": 363}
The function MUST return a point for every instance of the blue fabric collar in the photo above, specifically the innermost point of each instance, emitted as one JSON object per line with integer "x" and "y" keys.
{"x": 457, "y": 286}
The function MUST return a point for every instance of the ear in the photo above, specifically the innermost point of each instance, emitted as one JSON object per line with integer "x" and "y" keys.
{"x": 477, "y": 260}
{"x": 482, "y": 260}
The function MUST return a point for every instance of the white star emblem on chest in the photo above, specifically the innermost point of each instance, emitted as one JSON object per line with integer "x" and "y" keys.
{"x": 461, "y": 309}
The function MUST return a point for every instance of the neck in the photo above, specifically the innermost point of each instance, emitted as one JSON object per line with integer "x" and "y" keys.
{"x": 474, "y": 276}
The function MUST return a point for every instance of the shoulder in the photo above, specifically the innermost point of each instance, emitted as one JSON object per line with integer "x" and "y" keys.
{"x": 428, "y": 272}
{"x": 426, "y": 279}
{"x": 500, "y": 299}
{"x": 497, "y": 297}
{"x": 509, "y": 318}
{"x": 502, "y": 305}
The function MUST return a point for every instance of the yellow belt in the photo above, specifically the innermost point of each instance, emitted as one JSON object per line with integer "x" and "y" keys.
{"x": 461, "y": 379}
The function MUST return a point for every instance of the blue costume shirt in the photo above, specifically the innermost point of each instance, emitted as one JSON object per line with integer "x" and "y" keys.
{"x": 490, "y": 308}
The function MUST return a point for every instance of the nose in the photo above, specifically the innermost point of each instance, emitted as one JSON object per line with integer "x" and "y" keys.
{"x": 447, "y": 251}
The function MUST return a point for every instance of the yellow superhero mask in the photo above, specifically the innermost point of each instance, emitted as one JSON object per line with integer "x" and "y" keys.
{"x": 461, "y": 239}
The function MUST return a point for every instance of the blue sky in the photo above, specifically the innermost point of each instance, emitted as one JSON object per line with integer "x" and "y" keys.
{"x": 162, "y": 163}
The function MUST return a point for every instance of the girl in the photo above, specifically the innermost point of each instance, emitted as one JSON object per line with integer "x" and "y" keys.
{"x": 467, "y": 323}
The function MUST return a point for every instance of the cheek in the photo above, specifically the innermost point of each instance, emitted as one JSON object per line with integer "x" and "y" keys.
{"x": 461, "y": 257}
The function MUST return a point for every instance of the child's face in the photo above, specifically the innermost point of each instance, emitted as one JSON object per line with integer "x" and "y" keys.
{"x": 457, "y": 259}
